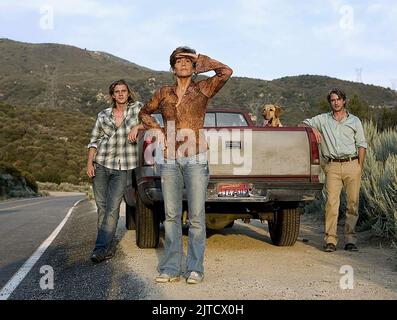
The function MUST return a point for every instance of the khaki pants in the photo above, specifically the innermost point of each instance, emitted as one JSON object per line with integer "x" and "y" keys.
{"x": 339, "y": 174}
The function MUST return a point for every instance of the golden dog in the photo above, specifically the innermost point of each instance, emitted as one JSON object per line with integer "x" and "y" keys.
{"x": 271, "y": 114}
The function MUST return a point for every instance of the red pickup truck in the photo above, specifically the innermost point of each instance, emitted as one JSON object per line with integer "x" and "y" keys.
{"x": 255, "y": 173}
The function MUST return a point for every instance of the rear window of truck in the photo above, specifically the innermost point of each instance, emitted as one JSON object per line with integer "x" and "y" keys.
{"x": 215, "y": 119}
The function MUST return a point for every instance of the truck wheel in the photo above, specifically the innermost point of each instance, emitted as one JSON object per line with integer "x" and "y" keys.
{"x": 147, "y": 226}
{"x": 129, "y": 217}
{"x": 284, "y": 229}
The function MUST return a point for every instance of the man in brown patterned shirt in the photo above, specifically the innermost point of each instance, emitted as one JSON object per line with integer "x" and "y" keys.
{"x": 183, "y": 107}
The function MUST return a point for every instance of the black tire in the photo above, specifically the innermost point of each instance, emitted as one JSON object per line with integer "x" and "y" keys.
{"x": 130, "y": 195}
{"x": 284, "y": 229}
{"x": 129, "y": 217}
{"x": 147, "y": 226}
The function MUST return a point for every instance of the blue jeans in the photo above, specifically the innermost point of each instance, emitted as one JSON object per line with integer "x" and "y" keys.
{"x": 194, "y": 175}
{"x": 109, "y": 186}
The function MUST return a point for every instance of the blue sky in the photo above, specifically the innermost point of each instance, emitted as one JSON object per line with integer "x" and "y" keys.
{"x": 265, "y": 39}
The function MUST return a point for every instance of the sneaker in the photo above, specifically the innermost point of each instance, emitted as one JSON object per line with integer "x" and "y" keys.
{"x": 329, "y": 247}
{"x": 97, "y": 257}
{"x": 351, "y": 247}
{"x": 195, "y": 277}
{"x": 164, "y": 278}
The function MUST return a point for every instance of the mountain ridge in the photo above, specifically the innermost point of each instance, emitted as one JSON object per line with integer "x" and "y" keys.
{"x": 69, "y": 77}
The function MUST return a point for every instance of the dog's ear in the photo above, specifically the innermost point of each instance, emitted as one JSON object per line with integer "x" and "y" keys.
{"x": 278, "y": 111}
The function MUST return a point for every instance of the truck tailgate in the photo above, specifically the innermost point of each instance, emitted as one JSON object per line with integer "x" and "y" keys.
{"x": 259, "y": 152}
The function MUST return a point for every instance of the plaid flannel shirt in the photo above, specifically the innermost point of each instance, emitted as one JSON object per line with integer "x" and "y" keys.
{"x": 114, "y": 150}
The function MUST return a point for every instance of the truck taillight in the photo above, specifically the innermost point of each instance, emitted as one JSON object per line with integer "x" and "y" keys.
{"x": 148, "y": 150}
{"x": 315, "y": 157}
{"x": 315, "y": 153}
{"x": 147, "y": 142}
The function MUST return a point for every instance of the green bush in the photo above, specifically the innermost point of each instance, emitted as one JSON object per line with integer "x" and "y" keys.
{"x": 10, "y": 169}
{"x": 49, "y": 143}
{"x": 65, "y": 187}
{"x": 379, "y": 185}
{"x": 31, "y": 181}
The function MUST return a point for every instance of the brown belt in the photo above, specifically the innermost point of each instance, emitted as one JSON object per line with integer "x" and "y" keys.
{"x": 343, "y": 160}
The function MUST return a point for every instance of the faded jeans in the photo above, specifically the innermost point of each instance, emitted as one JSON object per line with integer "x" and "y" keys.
{"x": 193, "y": 173}
{"x": 109, "y": 186}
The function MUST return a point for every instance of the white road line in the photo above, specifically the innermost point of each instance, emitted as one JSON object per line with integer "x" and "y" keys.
{"x": 14, "y": 282}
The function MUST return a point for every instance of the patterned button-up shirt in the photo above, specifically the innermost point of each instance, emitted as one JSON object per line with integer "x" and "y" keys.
{"x": 114, "y": 150}
{"x": 190, "y": 113}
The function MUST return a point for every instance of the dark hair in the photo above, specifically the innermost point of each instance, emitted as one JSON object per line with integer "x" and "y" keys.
{"x": 131, "y": 95}
{"x": 341, "y": 94}
{"x": 177, "y": 51}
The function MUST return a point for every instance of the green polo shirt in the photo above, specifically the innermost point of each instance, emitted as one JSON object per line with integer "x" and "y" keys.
{"x": 340, "y": 139}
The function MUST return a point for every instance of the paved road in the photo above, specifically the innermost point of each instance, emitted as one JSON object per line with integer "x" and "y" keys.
{"x": 25, "y": 224}
{"x": 241, "y": 263}
{"x": 75, "y": 277}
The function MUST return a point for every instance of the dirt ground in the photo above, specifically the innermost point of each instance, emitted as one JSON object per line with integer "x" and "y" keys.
{"x": 241, "y": 263}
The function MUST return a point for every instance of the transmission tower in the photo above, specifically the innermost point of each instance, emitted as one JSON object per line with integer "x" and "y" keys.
{"x": 359, "y": 74}
{"x": 393, "y": 84}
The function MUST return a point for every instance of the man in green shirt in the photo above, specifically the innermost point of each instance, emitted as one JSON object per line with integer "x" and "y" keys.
{"x": 343, "y": 145}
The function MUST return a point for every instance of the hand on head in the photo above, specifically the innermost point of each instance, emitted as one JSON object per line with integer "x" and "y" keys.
{"x": 191, "y": 56}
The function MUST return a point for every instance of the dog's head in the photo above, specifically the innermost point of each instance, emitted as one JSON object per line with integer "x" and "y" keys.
{"x": 271, "y": 111}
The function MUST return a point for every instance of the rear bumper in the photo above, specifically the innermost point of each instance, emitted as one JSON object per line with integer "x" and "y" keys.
{"x": 149, "y": 189}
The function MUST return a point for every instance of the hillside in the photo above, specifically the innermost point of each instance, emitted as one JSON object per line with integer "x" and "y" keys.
{"x": 49, "y": 143}
{"x": 13, "y": 183}
{"x": 50, "y": 94}
{"x": 61, "y": 76}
